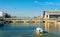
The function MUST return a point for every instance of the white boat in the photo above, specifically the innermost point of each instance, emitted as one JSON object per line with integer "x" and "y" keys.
{"x": 39, "y": 31}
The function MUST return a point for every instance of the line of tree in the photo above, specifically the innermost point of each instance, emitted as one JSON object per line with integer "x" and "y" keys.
{"x": 7, "y": 15}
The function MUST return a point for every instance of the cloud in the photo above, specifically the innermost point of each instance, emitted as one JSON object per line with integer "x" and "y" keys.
{"x": 49, "y": 3}
{"x": 46, "y": 3}
{"x": 36, "y": 1}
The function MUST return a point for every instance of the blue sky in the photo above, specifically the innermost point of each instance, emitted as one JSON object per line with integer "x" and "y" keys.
{"x": 28, "y": 7}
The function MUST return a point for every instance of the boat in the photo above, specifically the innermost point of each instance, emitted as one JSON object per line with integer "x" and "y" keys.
{"x": 40, "y": 31}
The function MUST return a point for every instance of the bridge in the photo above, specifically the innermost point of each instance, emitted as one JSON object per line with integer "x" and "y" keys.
{"x": 23, "y": 20}
{"x": 48, "y": 23}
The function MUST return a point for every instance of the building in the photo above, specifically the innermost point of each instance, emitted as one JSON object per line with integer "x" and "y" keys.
{"x": 2, "y": 14}
{"x": 51, "y": 20}
{"x": 51, "y": 14}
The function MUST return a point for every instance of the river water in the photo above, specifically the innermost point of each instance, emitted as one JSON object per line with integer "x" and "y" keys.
{"x": 20, "y": 30}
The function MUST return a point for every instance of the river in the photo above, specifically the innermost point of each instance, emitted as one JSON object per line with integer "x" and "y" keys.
{"x": 20, "y": 30}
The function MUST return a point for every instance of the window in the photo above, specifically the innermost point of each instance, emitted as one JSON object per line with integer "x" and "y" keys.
{"x": 54, "y": 16}
{"x": 47, "y": 16}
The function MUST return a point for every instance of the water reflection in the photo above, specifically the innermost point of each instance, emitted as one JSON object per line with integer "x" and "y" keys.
{"x": 53, "y": 28}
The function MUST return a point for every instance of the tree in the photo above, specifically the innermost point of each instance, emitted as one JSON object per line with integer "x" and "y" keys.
{"x": 7, "y": 16}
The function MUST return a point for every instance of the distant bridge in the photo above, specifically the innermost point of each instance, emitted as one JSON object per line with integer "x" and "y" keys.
{"x": 24, "y": 20}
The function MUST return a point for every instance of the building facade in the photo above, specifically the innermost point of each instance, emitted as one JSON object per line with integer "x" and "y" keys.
{"x": 51, "y": 14}
{"x": 51, "y": 20}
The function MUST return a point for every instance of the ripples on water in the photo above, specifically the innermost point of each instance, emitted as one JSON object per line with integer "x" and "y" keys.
{"x": 21, "y": 31}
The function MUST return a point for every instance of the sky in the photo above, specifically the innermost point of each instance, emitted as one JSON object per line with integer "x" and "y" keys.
{"x": 28, "y": 7}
